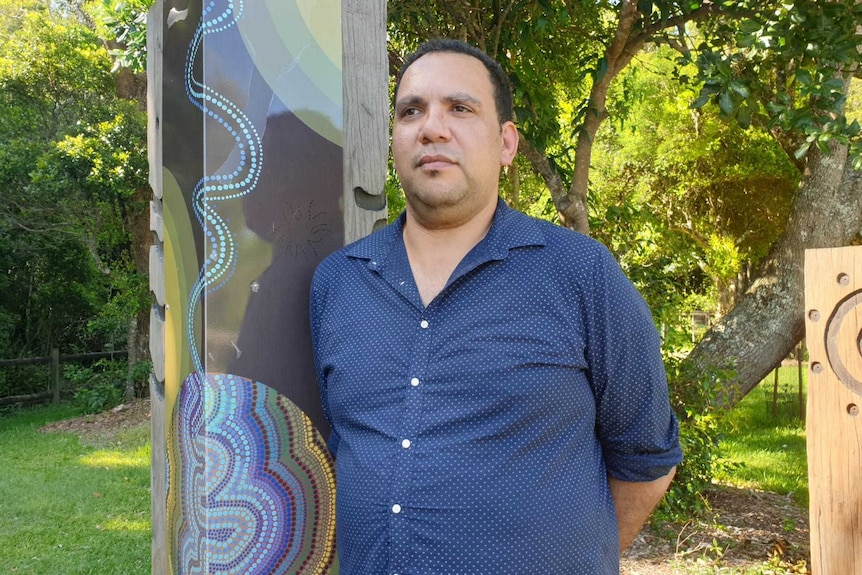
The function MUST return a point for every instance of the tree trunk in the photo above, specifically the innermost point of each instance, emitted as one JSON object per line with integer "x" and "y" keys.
{"x": 540, "y": 164}
{"x": 138, "y": 222}
{"x": 768, "y": 320}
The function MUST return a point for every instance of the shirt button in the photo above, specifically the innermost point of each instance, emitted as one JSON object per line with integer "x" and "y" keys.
{"x": 396, "y": 509}
{"x": 405, "y": 443}
{"x": 423, "y": 324}
{"x": 414, "y": 382}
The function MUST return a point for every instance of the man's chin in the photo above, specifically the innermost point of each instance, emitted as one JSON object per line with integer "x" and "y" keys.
{"x": 430, "y": 200}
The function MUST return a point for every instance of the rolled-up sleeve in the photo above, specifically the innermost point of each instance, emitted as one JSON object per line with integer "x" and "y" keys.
{"x": 637, "y": 428}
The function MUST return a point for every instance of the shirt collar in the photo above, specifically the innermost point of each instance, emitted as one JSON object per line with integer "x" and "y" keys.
{"x": 510, "y": 229}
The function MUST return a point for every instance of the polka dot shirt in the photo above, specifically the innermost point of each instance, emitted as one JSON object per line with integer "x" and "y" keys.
{"x": 475, "y": 435}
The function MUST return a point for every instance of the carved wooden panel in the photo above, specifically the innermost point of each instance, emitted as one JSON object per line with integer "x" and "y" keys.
{"x": 157, "y": 224}
{"x": 833, "y": 308}
{"x": 366, "y": 116}
{"x": 157, "y": 341}
{"x": 157, "y": 277}
{"x": 158, "y": 458}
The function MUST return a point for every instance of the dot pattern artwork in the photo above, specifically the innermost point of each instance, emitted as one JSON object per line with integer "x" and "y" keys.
{"x": 251, "y": 487}
{"x": 220, "y": 247}
{"x": 251, "y": 482}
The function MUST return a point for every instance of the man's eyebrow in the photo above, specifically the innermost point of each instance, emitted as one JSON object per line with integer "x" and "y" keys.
{"x": 409, "y": 101}
{"x": 463, "y": 98}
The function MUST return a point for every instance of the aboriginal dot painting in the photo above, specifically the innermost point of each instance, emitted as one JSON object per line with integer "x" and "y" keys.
{"x": 252, "y": 180}
{"x": 264, "y": 474}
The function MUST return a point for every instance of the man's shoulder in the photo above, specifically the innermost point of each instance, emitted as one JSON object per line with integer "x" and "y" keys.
{"x": 563, "y": 241}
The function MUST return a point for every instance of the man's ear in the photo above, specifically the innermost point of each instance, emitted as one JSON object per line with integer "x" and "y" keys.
{"x": 510, "y": 143}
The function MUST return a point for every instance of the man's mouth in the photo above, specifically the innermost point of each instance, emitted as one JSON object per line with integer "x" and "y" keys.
{"x": 435, "y": 161}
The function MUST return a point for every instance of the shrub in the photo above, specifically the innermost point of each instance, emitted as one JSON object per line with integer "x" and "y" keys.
{"x": 99, "y": 386}
{"x": 699, "y": 425}
{"x": 97, "y": 398}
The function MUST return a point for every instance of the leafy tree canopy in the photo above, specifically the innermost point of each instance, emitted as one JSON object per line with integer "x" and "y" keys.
{"x": 72, "y": 157}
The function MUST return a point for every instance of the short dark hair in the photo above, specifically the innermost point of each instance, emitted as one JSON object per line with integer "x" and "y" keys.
{"x": 499, "y": 80}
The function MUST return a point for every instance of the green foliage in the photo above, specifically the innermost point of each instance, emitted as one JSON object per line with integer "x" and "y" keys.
{"x": 51, "y": 288}
{"x": 125, "y": 22}
{"x": 679, "y": 195}
{"x": 72, "y": 164}
{"x": 97, "y": 398}
{"x": 53, "y": 75}
{"x": 70, "y": 508}
{"x": 24, "y": 380}
{"x": 700, "y": 432}
{"x": 722, "y": 257}
{"x": 99, "y": 386}
{"x": 784, "y": 66}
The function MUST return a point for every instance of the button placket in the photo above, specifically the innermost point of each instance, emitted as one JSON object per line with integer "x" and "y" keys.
{"x": 399, "y": 510}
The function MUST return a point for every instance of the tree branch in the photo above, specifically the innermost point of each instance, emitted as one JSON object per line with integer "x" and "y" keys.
{"x": 498, "y": 29}
{"x": 540, "y": 164}
{"x": 706, "y": 10}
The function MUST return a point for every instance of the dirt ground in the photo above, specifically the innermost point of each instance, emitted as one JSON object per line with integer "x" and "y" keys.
{"x": 102, "y": 428}
{"x": 745, "y": 528}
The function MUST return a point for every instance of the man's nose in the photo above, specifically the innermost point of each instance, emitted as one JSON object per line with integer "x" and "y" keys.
{"x": 436, "y": 126}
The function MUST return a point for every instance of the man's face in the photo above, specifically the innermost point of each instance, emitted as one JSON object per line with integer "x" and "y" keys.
{"x": 447, "y": 141}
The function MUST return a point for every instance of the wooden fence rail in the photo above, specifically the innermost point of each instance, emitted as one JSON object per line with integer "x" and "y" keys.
{"x": 55, "y": 359}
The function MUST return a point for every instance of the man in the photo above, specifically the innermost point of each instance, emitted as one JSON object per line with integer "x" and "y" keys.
{"x": 494, "y": 384}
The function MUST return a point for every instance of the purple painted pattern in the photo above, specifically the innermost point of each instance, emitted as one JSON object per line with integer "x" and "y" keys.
{"x": 251, "y": 483}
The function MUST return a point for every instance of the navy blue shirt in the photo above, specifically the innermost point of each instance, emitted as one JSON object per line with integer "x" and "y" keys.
{"x": 476, "y": 435}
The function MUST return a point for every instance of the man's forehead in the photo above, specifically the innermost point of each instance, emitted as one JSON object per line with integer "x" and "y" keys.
{"x": 454, "y": 72}
{"x": 436, "y": 58}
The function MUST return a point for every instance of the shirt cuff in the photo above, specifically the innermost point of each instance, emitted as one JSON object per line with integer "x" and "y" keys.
{"x": 643, "y": 467}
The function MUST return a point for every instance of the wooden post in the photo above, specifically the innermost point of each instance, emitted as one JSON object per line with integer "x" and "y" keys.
{"x": 366, "y": 112}
{"x": 800, "y": 396}
{"x": 775, "y": 391}
{"x": 55, "y": 374}
{"x": 185, "y": 148}
{"x": 160, "y": 564}
{"x": 833, "y": 317}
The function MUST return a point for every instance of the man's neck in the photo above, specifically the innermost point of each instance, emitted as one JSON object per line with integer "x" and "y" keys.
{"x": 435, "y": 251}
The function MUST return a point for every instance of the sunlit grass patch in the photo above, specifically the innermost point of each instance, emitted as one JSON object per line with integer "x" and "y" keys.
{"x": 115, "y": 458}
{"x": 764, "y": 439}
{"x": 71, "y": 508}
{"x": 126, "y": 524}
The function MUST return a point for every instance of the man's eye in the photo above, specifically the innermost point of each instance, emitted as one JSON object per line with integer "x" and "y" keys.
{"x": 409, "y": 112}
{"x": 460, "y": 108}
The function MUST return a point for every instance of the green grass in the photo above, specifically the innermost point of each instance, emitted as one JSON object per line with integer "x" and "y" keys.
{"x": 71, "y": 508}
{"x": 766, "y": 449}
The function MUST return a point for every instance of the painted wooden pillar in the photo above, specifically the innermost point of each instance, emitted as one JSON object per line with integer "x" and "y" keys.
{"x": 268, "y": 143}
{"x": 833, "y": 307}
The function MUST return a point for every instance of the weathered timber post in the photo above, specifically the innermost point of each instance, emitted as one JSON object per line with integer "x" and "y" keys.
{"x": 55, "y": 375}
{"x": 268, "y": 144}
{"x": 833, "y": 307}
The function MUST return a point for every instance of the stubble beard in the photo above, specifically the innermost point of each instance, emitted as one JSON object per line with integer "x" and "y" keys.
{"x": 436, "y": 204}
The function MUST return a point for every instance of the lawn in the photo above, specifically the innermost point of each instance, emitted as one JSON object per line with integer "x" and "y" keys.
{"x": 765, "y": 440}
{"x": 69, "y": 507}
{"x": 76, "y": 506}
